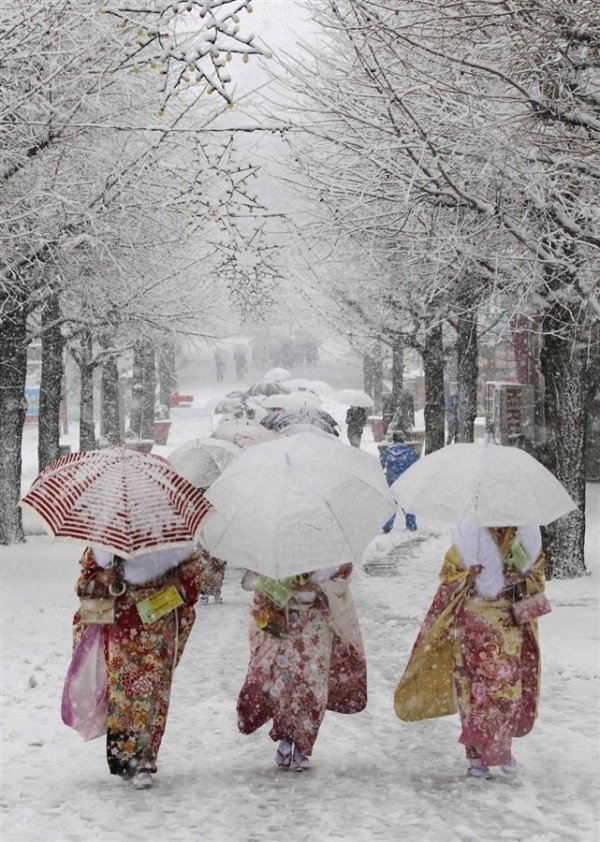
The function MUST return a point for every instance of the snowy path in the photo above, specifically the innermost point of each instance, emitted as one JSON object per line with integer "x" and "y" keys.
{"x": 373, "y": 777}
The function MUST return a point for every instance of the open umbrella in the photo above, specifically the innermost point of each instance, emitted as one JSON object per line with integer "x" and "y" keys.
{"x": 487, "y": 484}
{"x": 201, "y": 461}
{"x": 294, "y": 429}
{"x": 267, "y": 387}
{"x": 355, "y": 397}
{"x": 296, "y": 400}
{"x": 300, "y": 384}
{"x": 277, "y": 420}
{"x": 119, "y": 500}
{"x": 297, "y": 504}
{"x": 277, "y": 374}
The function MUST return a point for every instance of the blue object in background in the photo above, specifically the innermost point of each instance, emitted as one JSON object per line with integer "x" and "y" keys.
{"x": 32, "y": 396}
{"x": 394, "y": 460}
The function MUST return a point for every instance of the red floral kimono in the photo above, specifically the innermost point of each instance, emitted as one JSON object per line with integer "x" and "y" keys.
{"x": 141, "y": 660}
{"x": 471, "y": 655}
{"x": 304, "y": 660}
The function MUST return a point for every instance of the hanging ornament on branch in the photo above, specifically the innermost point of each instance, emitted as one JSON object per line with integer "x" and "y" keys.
{"x": 187, "y": 43}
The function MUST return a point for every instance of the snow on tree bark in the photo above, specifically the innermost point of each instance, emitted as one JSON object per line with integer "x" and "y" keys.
{"x": 467, "y": 353}
{"x": 50, "y": 383}
{"x": 563, "y": 367}
{"x": 433, "y": 365}
{"x": 110, "y": 420}
{"x": 13, "y": 406}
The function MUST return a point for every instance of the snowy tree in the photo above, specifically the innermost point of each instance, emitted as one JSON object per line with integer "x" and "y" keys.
{"x": 488, "y": 111}
{"x": 97, "y": 194}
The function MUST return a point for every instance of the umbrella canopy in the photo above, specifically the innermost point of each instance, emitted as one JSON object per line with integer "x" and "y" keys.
{"x": 486, "y": 484}
{"x": 228, "y": 430}
{"x": 304, "y": 415}
{"x": 294, "y": 429}
{"x": 300, "y": 503}
{"x": 201, "y": 461}
{"x": 268, "y": 387}
{"x": 302, "y": 385}
{"x": 119, "y": 500}
{"x": 296, "y": 400}
{"x": 230, "y": 405}
{"x": 254, "y": 435}
{"x": 354, "y": 397}
{"x": 277, "y": 374}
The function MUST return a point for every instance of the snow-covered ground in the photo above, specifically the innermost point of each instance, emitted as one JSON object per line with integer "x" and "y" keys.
{"x": 373, "y": 777}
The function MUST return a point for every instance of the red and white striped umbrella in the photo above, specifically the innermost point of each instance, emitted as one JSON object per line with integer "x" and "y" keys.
{"x": 120, "y": 500}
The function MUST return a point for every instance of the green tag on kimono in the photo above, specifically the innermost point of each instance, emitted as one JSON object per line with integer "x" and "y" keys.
{"x": 277, "y": 590}
{"x": 156, "y": 606}
{"x": 518, "y": 556}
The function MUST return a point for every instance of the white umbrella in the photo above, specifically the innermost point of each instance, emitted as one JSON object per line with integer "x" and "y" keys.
{"x": 230, "y": 427}
{"x": 201, "y": 461}
{"x": 296, "y": 400}
{"x": 302, "y": 385}
{"x": 277, "y": 374}
{"x": 295, "y": 429}
{"x": 297, "y": 504}
{"x": 487, "y": 484}
{"x": 354, "y": 397}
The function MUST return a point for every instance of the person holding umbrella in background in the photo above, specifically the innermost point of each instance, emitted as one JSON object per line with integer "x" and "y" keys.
{"x": 356, "y": 415}
{"x": 394, "y": 460}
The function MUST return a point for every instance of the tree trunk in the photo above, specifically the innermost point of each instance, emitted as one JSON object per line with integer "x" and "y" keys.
{"x": 13, "y": 406}
{"x": 110, "y": 421}
{"x": 467, "y": 371}
{"x": 87, "y": 429}
{"x": 50, "y": 383}
{"x": 167, "y": 376}
{"x": 377, "y": 380}
{"x": 397, "y": 372}
{"x": 563, "y": 367}
{"x": 143, "y": 390}
{"x": 368, "y": 374}
{"x": 592, "y": 426}
{"x": 433, "y": 366}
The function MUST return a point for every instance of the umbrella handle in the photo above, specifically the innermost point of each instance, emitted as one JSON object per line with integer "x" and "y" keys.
{"x": 120, "y": 592}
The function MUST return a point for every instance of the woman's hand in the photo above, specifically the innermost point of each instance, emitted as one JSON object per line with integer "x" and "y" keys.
{"x": 108, "y": 576}
{"x": 474, "y": 571}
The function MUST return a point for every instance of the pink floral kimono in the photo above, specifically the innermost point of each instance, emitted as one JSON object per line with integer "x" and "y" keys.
{"x": 304, "y": 659}
{"x": 140, "y": 659}
{"x": 470, "y": 654}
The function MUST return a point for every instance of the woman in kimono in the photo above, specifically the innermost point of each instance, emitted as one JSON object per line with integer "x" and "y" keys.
{"x": 471, "y": 653}
{"x": 306, "y": 657}
{"x": 141, "y": 656}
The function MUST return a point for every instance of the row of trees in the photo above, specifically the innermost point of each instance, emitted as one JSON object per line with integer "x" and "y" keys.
{"x": 124, "y": 204}
{"x": 455, "y": 160}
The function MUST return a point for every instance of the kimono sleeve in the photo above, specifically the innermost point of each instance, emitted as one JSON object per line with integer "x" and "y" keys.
{"x": 191, "y": 576}
{"x": 86, "y": 585}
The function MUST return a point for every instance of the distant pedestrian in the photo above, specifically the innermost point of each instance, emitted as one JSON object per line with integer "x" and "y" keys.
{"x": 356, "y": 419}
{"x": 395, "y": 459}
{"x": 219, "y": 364}
{"x": 451, "y": 418}
{"x": 241, "y": 362}
{"x": 387, "y": 410}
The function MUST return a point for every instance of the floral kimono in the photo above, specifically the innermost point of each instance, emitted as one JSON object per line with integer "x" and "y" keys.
{"x": 470, "y": 654}
{"x": 304, "y": 659}
{"x": 140, "y": 659}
